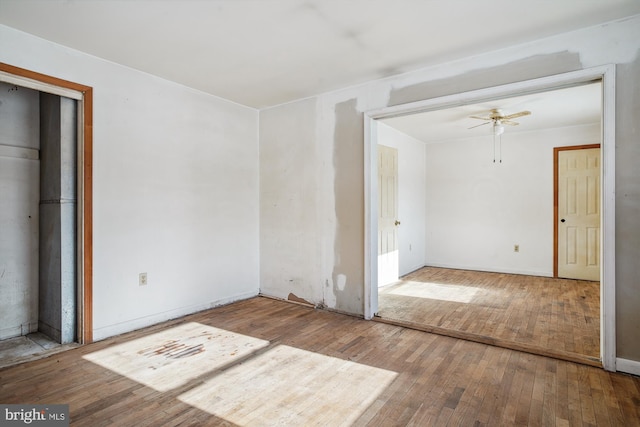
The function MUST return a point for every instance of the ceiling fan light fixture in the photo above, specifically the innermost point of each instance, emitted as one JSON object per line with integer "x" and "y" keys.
{"x": 498, "y": 129}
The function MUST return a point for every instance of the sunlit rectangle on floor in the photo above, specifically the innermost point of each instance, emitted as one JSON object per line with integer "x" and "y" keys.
{"x": 290, "y": 386}
{"x": 172, "y": 357}
{"x": 454, "y": 293}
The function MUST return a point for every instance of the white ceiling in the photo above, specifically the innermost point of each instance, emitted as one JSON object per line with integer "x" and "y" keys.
{"x": 265, "y": 52}
{"x": 579, "y": 105}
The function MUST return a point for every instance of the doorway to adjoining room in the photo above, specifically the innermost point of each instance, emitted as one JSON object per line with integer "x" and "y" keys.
{"x": 476, "y": 234}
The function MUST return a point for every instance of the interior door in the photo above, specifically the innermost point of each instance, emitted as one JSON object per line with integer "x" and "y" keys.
{"x": 578, "y": 212}
{"x": 388, "y": 261}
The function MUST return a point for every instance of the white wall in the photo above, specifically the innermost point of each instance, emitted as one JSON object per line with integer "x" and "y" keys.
{"x": 19, "y": 215}
{"x": 460, "y": 210}
{"x": 411, "y": 196}
{"x": 336, "y": 185}
{"x": 477, "y": 210}
{"x": 139, "y": 187}
{"x": 288, "y": 219}
{"x": 175, "y": 189}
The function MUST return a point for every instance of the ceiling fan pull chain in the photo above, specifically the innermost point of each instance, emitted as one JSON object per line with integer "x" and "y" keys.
{"x": 494, "y": 148}
{"x": 500, "y": 148}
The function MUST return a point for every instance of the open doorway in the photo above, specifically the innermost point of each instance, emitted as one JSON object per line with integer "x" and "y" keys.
{"x": 46, "y": 240}
{"x": 465, "y": 230}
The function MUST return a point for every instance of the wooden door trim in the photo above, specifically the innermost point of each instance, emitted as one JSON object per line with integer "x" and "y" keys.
{"x": 86, "y": 333}
{"x": 556, "y": 152}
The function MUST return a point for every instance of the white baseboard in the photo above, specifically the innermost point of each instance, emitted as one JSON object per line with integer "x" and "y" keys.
{"x": 18, "y": 330}
{"x": 628, "y": 366}
{"x": 142, "y": 322}
{"x": 491, "y": 269}
{"x": 11, "y": 332}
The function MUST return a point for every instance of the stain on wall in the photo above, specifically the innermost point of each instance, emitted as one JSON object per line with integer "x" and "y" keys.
{"x": 289, "y": 260}
{"x": 524, "y": 69}
{"x": 348, "y": 162}
{"x": 627, "y": 210}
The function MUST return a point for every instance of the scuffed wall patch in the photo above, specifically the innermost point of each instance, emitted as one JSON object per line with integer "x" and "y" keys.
{"x": 524, "y": 69}
{"x": 348, "y": 160}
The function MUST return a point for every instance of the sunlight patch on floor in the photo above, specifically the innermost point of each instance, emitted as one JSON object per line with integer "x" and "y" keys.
{"x": 290, "y": 386}
{"x": 453, "y": 293}
{"x": 172, "y": 357}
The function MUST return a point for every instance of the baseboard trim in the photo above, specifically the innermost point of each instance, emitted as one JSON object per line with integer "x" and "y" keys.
{"x": 143, "y": 322}
{"x": 18, "y": 330}
{"x": 309, "y": 305}
{"x": 628, "y": 366}
{"x": 298, "y": 301}
{"x": 492, "y": 269}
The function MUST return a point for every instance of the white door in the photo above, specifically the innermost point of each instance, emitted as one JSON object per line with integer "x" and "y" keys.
{"x": 387, "y": 215}
{"x": 579, "y": 214}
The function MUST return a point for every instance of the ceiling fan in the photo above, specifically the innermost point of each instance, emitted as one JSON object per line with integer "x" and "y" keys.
{"x": 499, "y": 120}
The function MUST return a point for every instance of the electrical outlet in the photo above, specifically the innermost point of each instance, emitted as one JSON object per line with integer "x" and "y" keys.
{"x": 516, "y": 248}
{"x": 142, "y": 279}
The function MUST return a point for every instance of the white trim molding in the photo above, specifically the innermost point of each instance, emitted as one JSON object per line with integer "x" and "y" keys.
{"x": 606, "y": 74}
{"x": 628, "y": 366}
{"x": 370, "y": 217}
{"x": 40, "y": 86}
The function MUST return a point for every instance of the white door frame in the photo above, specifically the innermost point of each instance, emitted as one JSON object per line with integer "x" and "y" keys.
{"x": 604, "y": 73}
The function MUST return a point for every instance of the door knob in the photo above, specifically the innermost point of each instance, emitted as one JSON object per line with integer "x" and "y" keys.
{"x": 397, "y": 222}
{"x": 562, "y": 220}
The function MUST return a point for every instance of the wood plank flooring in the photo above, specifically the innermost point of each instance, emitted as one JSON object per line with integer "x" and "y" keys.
{"x": 555, "y": 317}
{"x": 263, "y": 362}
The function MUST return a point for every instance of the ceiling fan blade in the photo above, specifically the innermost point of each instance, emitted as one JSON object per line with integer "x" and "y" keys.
{"x": 481, "y": 124}
{"x": 514, "y": 115}
{"x": 481, "y": 118}
{"x": 509, "y": 123}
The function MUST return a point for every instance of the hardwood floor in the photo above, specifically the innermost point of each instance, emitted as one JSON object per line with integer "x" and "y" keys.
{"x": 554, "y": 317}
{"x": 267, "y": 362}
